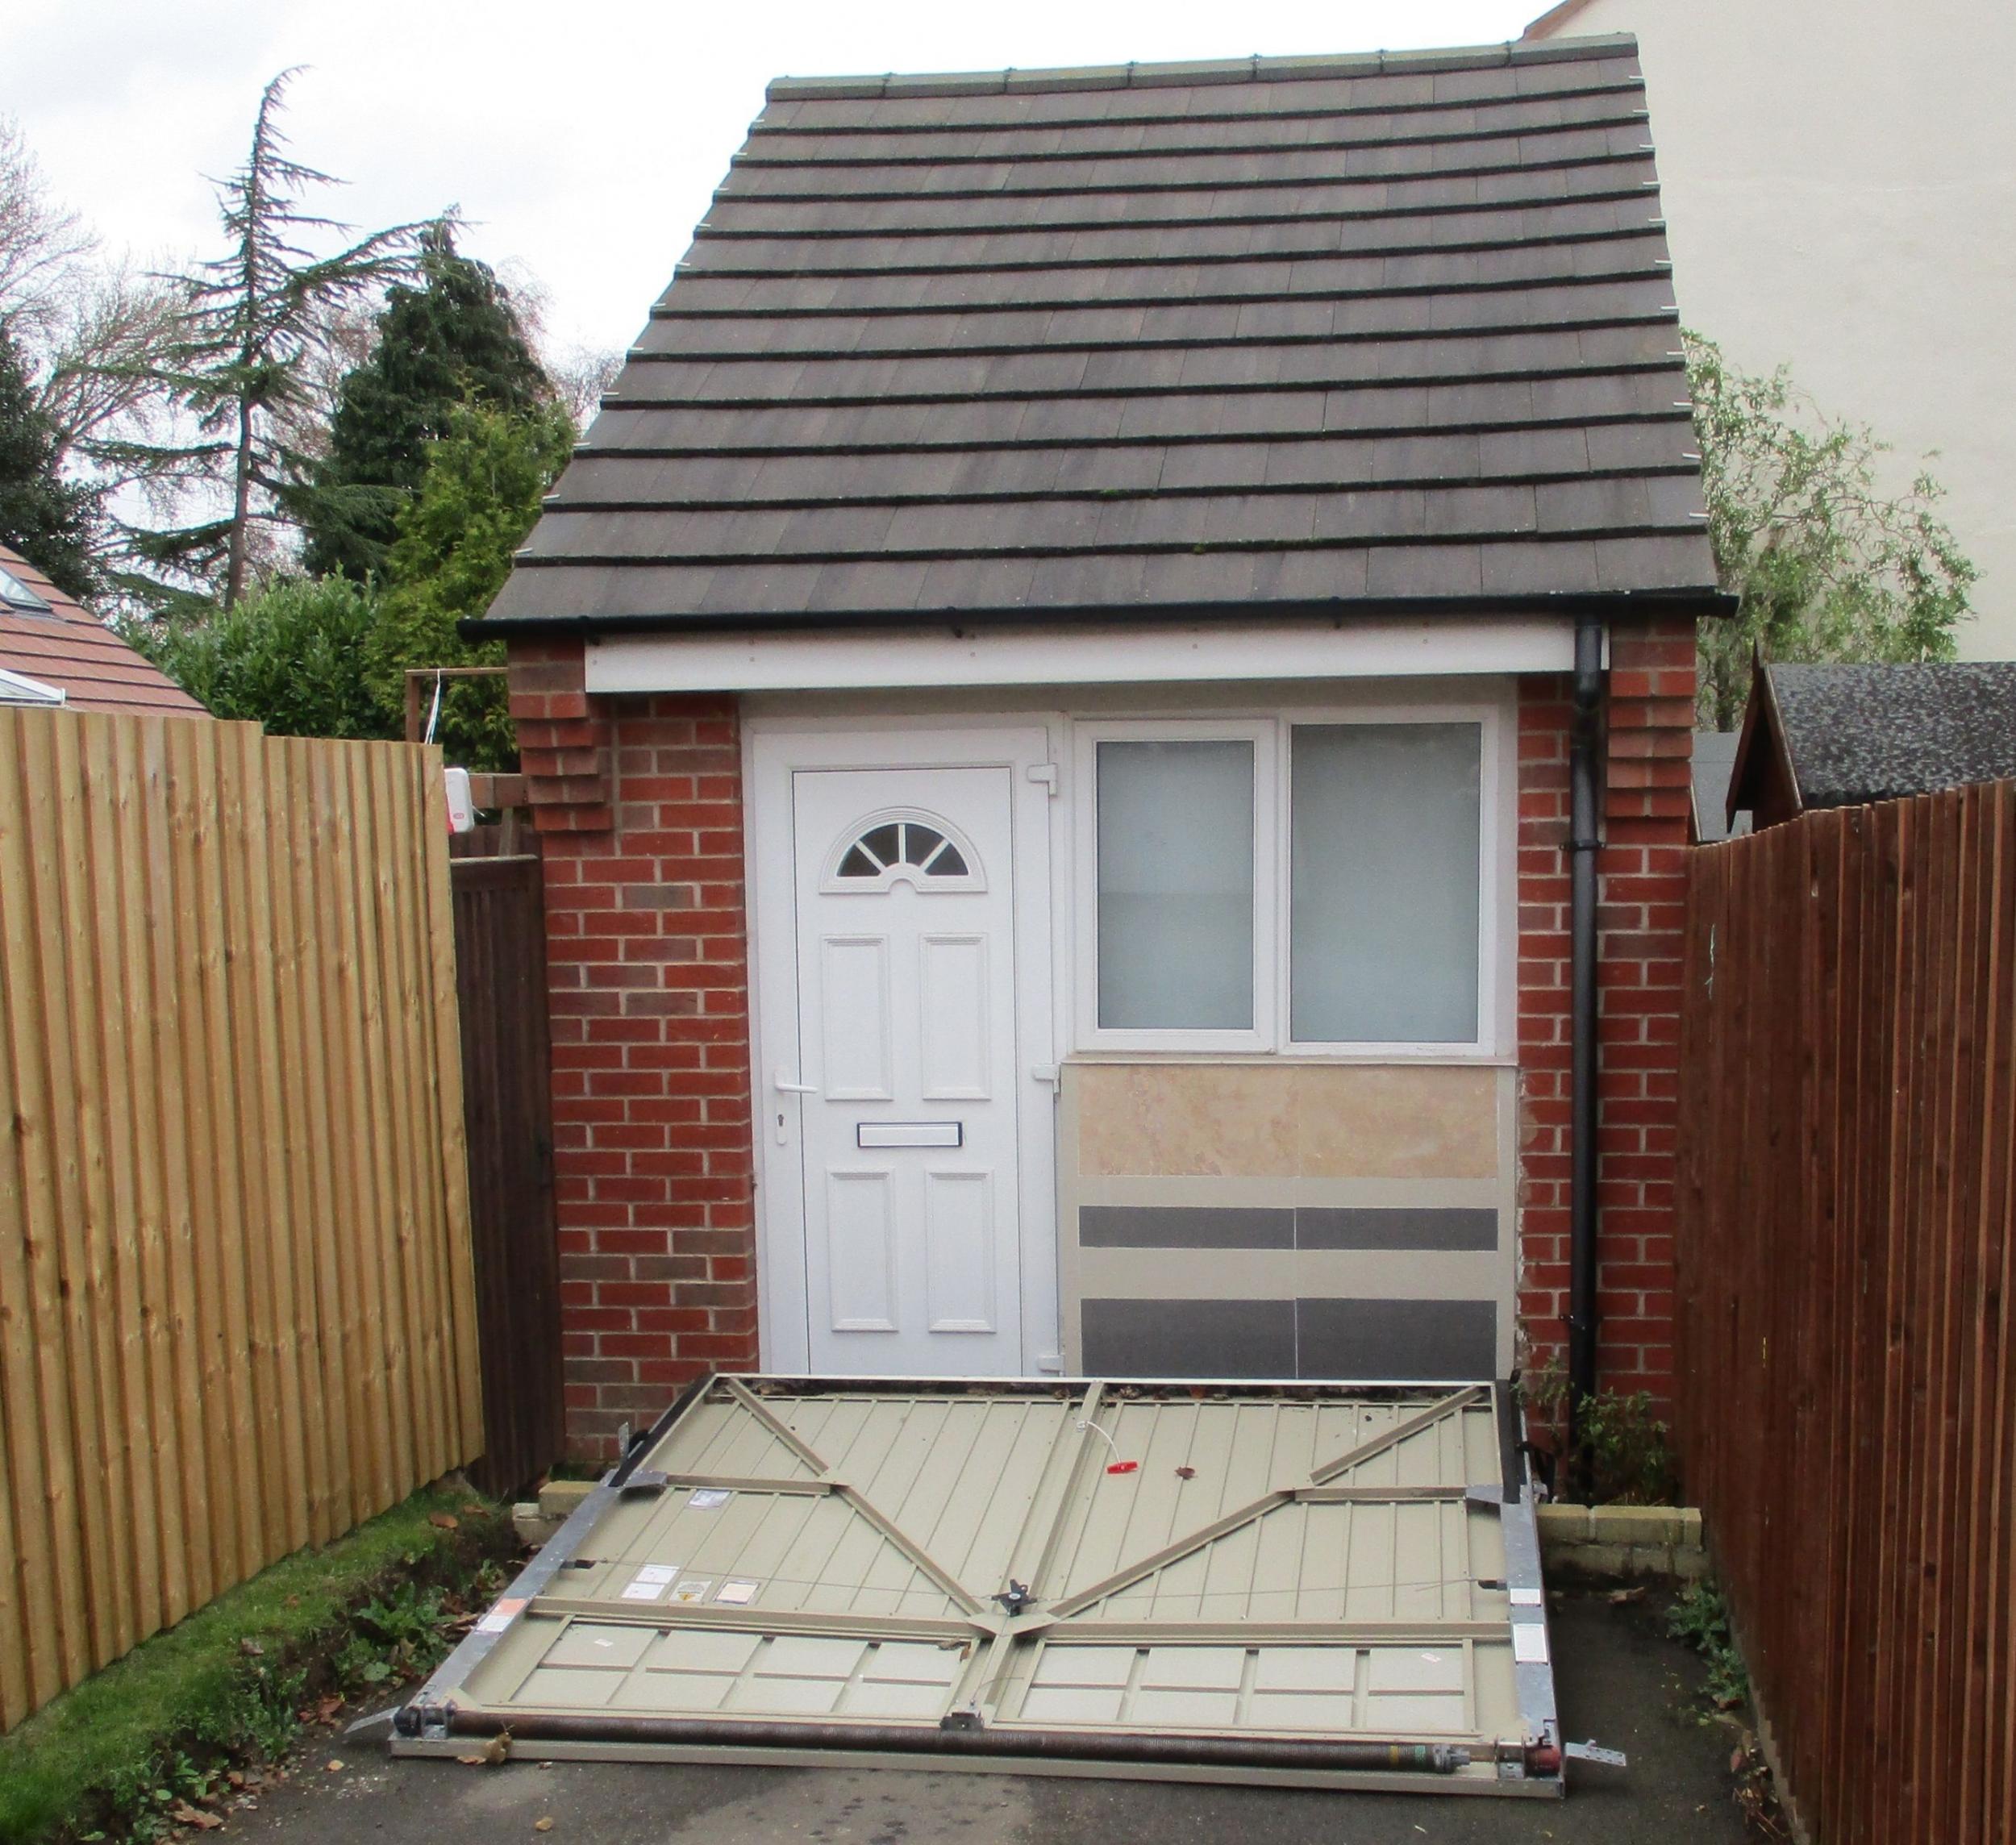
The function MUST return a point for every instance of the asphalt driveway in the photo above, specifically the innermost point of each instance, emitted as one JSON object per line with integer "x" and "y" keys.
{"x": 1620, "y": 1680}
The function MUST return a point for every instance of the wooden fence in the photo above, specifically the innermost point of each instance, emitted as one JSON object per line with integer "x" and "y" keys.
{"x": 236, "y": 1313}
{"x": 500, "y": 963}
{"x": 1847, "y": 1280}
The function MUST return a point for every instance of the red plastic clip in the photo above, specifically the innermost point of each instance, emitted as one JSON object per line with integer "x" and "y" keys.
{"x": 1123, "y": 1466}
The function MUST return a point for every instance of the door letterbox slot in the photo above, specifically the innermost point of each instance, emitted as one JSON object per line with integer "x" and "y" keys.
{"x": 910, "y": 1134}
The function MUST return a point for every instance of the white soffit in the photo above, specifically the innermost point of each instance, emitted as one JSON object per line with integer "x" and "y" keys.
{"x": 861, "y": 659}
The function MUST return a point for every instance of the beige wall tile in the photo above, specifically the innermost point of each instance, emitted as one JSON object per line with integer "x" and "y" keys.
{"x": 1396, "y": 1121}
{"x": 1265, "y": 1121}
{"x": 1187, "y": 1118}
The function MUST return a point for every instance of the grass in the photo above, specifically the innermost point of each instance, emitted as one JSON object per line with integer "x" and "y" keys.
{"x": 228, "y": 1685}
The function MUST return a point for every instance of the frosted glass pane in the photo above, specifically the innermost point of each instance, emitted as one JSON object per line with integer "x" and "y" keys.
{"x": 1383, "y": 878}
{"x": 1176, "y": 886}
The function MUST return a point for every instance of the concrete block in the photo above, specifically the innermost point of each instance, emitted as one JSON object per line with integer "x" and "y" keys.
{"x": 558, "y": 1498}
{"x": 1690, "y": 1528}
{"x": 1634, "y": 1525}
{"x": 1564, "y": 1524}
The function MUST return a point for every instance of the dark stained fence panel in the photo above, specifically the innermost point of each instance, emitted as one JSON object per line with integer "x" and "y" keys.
{"x": 1848, "y": 1380}
{"x": 500, "y": 945}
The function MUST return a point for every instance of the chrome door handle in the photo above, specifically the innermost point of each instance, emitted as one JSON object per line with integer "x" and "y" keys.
{"x": 779, "y": 1081}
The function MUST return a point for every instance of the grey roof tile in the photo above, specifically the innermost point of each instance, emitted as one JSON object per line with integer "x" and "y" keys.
{"x": 1879, "y": 732}
{"x": 1310, "y": 331}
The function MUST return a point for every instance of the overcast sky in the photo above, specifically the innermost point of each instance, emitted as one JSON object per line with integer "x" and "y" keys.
{"x": 580, "y": 138}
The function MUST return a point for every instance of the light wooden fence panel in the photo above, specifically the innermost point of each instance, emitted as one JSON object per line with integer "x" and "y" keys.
{"x": 237, "y": 1313}
{"x": 1847, "y": 1265}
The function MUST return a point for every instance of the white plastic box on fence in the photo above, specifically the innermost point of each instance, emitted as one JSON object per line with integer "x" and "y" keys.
{"x": 461, "y": 809}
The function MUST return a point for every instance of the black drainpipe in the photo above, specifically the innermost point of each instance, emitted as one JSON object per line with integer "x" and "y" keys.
{"x": 1583, "y": 742}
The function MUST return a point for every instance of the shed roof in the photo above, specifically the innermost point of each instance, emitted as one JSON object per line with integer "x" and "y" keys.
{"x": 1387, "y": 331}
{"x": 1856, "y": 734}
{"x": 65, "y": 645}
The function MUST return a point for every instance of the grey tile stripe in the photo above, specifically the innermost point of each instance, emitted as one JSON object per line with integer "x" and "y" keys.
{"x": 1419, "y": 1227}
{"x": 1313, "y": 1339}
{"x": 1161, "y": 1227}
{"x": 1155, "y": 1226}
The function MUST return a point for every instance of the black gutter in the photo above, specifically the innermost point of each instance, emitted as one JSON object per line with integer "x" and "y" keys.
{"x": 1592, "y": 607}
{"x": 1583, "y": 741}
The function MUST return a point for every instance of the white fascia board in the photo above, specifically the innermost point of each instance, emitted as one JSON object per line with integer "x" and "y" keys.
{"x": 19, "y": 688}
{"x": 861, "y": 659}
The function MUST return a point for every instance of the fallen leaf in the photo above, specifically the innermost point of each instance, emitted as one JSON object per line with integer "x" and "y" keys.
{"x": 474, "y": 1511}
{"x": 1618, "y": 1596}
{"x": 235, "y": 1777}
{"x": 1736, "y": 1759}
{"x": 333, "y": 1765}
{"x": 1187, "y": 1473}
{"x": 498, "y": 1748}
{"x": 251, "y": 1649}
{"x": 184, "y": 1814}
{"x": 447, "y": 1521}
{"x": 543, "y": 1825}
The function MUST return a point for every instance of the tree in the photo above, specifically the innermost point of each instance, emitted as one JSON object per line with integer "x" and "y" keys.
{"x": 46, "y": 519}
{"x": 237, "y": 367}
{"x": 1826, "y": 567}
{"x": 291, "y": 655}
{"x": 477, "y": 501}
{"x": 454, "y": 339}
{"x": 41, "y": 241}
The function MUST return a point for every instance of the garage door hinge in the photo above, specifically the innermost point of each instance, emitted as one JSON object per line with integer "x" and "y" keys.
{"x": 1046, "y": 774}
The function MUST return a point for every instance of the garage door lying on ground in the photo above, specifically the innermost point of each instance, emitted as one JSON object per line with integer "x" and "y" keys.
{"x": 1329, "y": 1584}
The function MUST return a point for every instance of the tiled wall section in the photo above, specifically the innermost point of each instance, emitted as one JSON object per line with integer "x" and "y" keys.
{"x": 639, "y": 802}
{"x": 1641, "y": 895}
{"x": 1287, "y": 1220}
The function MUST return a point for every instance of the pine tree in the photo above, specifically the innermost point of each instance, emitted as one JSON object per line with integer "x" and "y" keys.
{"x": 454, "y": 339}
{"x": 238, "y": 366}
{"x": 477, "y": 500}
{"x": 46, "y": 519}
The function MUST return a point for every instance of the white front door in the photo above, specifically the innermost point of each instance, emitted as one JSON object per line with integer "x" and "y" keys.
{"x": 906, "y": 1093}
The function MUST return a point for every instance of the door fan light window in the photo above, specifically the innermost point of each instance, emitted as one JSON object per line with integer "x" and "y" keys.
{"x": 918, "y": 849}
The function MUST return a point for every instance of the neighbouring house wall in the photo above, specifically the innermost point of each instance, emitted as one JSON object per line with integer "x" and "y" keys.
{"x": 1287, "y": 1218}
{"x": 1839, "y": 178}
{"x": 638, "y": 804}
{"x": 1641, "y": 899}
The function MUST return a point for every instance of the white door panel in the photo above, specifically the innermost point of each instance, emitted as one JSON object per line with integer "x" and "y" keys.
{"x": 905, "y": 906}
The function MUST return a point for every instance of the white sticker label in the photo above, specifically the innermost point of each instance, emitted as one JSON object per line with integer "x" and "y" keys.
{"x": 643, "y": 1591}
{"x": 503, "y": 1615}
{"x": 660, "y": 1573}
{"x": 739, "y": 1594}
{"x": 1529, "y": 1643}
{"x": 708, "y": 1498}
{"x": 1529, "y": 1598}
{"x": 693, "y": 1590}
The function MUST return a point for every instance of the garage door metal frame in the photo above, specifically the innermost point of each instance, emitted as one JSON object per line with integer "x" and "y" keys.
{"x": 999, "y": 1640}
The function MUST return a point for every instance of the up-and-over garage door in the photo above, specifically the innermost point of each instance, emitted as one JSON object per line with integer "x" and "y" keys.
{"x": 1307, "y": 1583}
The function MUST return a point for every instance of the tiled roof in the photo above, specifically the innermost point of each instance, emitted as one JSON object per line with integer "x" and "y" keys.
{"x": 1283, "y": 334}
{"x": 1857, "y": 734}
{"x": 71, "y": 649}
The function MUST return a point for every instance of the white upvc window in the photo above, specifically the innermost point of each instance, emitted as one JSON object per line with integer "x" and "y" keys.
{"x": 1313, "y": 883}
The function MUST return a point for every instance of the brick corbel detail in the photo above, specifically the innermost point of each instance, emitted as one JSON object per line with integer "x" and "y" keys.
{"x": 562, "y": 745}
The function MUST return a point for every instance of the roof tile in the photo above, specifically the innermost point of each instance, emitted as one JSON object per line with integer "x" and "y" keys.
{"x": 1241, "y": 336}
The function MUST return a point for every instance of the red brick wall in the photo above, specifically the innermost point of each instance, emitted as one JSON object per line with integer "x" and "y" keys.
{"x": 1641, "y": 894}
{"x": 638, "y": 804}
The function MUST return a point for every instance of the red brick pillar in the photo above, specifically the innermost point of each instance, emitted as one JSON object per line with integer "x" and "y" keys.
{"x": 638, "y": 804}
{"x": 1641, "y": 896}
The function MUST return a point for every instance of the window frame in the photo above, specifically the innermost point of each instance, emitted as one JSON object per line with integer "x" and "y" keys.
{"x": 1272, "y": 737}
{"x": 1263, "y": 735}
